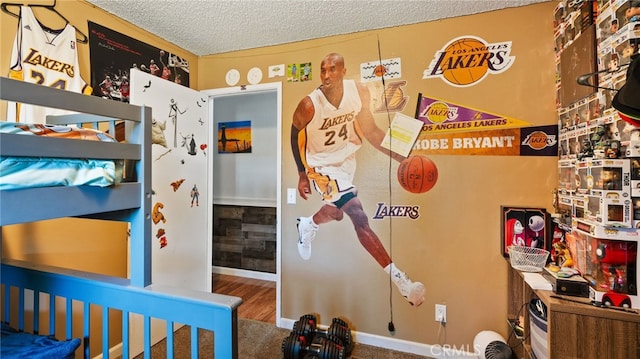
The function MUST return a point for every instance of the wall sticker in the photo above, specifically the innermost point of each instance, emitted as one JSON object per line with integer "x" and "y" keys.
{"x": 467, "y": 60}
{"x": 374, "y": 70}
{"x": 330, "y": 125}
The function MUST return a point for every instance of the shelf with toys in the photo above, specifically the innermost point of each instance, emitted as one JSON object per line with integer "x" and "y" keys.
{"x": 596, "y": 224}
{"x": 598, "y": 196}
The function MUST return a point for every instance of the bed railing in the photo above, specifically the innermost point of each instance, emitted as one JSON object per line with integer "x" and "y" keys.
{"x": 23, "y": 285}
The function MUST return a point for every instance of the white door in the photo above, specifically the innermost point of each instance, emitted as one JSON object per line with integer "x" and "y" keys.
{"x": 181, "y": 244}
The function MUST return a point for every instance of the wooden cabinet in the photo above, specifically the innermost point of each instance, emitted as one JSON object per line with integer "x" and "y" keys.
{"x": 574, "y": 330}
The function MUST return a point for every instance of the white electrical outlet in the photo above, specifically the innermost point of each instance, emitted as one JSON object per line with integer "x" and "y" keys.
{"x": 441, "y": 313}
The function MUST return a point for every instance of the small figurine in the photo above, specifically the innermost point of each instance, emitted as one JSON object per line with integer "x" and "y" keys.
{"x": 598, "y": 135}
{"x": 558, "y": 236}
{"x": 587, "y": 149}
{"x": 563, "y": 258}
{"x": 632, "y": 14}
{"x": 610, "y": 180}
{"x": 612, "y": 150}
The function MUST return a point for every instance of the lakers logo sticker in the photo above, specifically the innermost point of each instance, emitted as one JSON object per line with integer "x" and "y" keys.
{"x": 392, "y": 99}
{"x": 439, "y": 112}
{"x": 467, "y": 60}
{"x": 539, "y": 140}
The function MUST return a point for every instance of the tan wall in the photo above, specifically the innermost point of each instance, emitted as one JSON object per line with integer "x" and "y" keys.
{"x": 454, "y": 247}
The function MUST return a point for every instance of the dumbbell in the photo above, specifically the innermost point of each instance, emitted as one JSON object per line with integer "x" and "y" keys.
{"x": 296, "y": 346}
{"x": 338, "y": 331}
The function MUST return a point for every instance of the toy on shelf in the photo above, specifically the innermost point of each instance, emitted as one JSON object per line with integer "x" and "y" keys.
{"x": 587, "y": 149}
{"x": 612, "y": 149}
{"x": 603, "y": 192}
{"x": 563, "y": 255}
{"x": 613, "y": 272}
{"x": 558, "y": 236}
{"x": 632, "y": 14}
{"x": 563, "y": 272}
{"x": 599, "y": 141}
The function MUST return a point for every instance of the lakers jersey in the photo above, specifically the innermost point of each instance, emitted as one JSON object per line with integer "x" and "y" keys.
{"x": 47, "y": 58}
{"x": 333, "y": 135}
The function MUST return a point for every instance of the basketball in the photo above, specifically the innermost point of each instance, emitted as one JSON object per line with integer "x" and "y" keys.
{"x": 417, "y": 174}
{"x": 464, "y": 76}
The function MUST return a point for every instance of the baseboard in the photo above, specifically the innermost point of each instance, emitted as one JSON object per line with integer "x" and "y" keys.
{"x": 272, "y": 277}
{"x": 114, "y": 352}
{"x": 431, "y": 351}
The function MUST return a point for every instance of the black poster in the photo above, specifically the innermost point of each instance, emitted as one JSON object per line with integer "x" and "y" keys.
{"x": 113, "y": 54}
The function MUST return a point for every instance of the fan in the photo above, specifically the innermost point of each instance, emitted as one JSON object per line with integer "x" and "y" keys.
{"x": 491, "y": 345}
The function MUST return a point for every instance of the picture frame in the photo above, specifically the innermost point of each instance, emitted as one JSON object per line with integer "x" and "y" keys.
{"x": 524, "y": 226}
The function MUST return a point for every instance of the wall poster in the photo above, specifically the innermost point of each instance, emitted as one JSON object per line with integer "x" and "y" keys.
{"x": 524, "y": 227}
{"x": 113, "y": 55}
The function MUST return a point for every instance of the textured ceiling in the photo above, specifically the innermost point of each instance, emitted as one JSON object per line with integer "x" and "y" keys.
{"x": 206, "y": 27}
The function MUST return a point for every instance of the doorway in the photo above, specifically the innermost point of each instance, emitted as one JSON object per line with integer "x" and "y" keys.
{"x": 245, "y": 149}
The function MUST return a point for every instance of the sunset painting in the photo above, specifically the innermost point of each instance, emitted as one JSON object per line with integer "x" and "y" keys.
{"x": 234, "y": 137}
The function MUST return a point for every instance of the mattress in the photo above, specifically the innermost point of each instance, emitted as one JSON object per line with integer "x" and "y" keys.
{"x": 29, "y": 172}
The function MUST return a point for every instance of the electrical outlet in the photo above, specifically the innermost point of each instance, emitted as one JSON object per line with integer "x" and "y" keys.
{"x": 291, "y": 195}
{"x": 441, "y": 313}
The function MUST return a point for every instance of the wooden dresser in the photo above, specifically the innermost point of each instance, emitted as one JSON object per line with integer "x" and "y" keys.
{"x": 575, "y": 330}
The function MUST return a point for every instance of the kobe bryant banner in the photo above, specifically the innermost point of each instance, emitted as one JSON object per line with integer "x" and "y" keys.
{"x": 467, "y": 60}
{"x": 526, "y": 141}
{"x": 451, "y": 129}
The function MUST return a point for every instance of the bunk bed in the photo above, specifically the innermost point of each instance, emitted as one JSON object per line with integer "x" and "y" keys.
{"x": 25, "y": 286}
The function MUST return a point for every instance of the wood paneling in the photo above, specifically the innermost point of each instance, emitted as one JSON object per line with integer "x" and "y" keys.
{"x": 244, "y": 238}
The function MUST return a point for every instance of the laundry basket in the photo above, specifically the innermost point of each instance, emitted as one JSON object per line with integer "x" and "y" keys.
{"x": 528, "y": 259}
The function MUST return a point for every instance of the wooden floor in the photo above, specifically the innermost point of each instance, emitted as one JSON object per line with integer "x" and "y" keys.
{"x": 259, "y": 296}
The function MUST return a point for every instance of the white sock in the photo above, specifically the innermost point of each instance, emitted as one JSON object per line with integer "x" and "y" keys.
{"x": 313, "y": 223}
{"x": 397, "y": 276}
{"x": 391, "y": 269}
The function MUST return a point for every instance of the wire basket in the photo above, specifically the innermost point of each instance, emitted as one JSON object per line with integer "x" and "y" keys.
{"x": 528, "y": 259}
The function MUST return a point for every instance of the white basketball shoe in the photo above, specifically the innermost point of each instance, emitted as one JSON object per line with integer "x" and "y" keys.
{"x": 306, "y": 233}
{"x": 412, "y": 291}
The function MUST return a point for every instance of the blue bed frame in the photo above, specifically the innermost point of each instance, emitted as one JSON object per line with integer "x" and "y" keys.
{"x": 128, "y": 202}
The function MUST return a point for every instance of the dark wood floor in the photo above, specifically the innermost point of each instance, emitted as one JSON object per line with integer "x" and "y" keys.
{"x": 258, "y": 296}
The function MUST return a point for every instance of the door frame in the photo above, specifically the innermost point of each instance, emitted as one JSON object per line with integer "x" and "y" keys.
{"x": 239, "y": 91}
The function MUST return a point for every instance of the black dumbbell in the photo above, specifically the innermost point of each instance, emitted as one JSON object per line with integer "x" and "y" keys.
{"x": 296, "y": 346}
{"x": 338, "y": 331}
